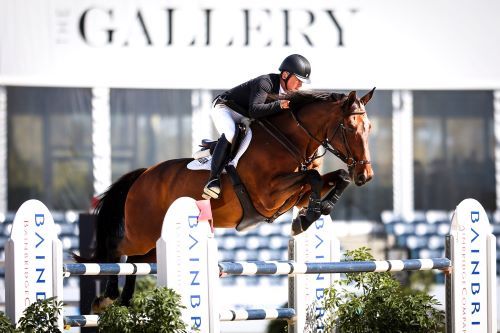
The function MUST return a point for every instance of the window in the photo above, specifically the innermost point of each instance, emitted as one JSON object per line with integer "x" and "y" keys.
{"x": 454, "y": 152}
{"x": 148, "y": 126}
{"x": 49, "y": 145}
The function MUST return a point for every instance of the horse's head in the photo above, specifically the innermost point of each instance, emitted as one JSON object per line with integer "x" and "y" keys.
{"x": 349, "y": 137}
{"x": 339, "y": 123}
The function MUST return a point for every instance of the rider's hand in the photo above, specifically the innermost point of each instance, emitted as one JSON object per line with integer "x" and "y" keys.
{"x": 284, "y": 104}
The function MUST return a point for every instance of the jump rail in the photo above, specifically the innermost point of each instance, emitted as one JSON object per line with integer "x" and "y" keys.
{"x": 292, "y": 268}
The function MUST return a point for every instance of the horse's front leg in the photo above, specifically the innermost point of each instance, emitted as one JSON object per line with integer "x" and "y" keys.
{"x": 330, "y": 197}
{"x": 313, "y": 210}
{"x": 333, "y": 184}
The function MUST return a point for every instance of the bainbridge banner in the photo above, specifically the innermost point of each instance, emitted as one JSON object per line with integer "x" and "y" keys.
{"x": 215, "y": 44}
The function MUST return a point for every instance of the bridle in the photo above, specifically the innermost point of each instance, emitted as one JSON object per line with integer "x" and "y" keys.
{"x": 348, "y": 159}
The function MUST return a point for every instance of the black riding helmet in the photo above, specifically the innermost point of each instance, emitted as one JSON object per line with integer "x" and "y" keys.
{"x": 298, "y": 65}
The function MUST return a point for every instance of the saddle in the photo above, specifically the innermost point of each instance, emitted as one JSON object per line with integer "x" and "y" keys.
{"x": 207, "y": 146}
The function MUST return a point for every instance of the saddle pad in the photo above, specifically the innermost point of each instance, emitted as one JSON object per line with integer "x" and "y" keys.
{"x": 205, "y": 162}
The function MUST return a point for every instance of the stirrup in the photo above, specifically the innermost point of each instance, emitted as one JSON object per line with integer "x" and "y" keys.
{"x": 212, "y": 190}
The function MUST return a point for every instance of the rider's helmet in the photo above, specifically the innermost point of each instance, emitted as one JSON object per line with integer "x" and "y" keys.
{"x": 298, "y": 65}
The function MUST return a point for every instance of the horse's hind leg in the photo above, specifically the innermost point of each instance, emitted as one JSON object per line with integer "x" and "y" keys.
{"x": 111, "y": 293}
{"x": 129, "y": 287}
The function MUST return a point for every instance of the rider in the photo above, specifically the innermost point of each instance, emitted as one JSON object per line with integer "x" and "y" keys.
{"x": 251, "y": 100}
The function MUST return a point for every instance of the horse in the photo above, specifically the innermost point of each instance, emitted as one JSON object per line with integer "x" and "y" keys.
{"x": 278, "y": 170}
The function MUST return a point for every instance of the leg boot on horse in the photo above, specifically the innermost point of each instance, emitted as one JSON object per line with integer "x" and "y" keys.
{"x": 330, "y": 199}
{"x": 220, "y": 158}
{"x": 322, "y": 206}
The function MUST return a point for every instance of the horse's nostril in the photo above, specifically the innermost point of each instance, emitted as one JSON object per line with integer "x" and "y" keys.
{"x": 361, "y": 178}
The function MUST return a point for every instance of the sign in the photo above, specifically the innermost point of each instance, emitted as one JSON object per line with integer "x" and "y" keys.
{"x": 474, "y": 270}
{"x": 306, "y": 292}
{"x": 216, "y": 44}
{"x": 29, "y": 259}
{"x": 186, "y": 253}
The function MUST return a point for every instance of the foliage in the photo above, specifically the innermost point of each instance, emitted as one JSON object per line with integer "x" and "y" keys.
{"x": 422, "y": 280}
{"x": 157, "y": 310}
{"x": 376, "y": 302}
{"x": 5, "y": 324}
{"x": 41, "y": 316}
{"x": 145, "y": 283}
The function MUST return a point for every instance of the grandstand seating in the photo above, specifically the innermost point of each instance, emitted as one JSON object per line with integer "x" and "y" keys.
{"x": 422, "y": 235}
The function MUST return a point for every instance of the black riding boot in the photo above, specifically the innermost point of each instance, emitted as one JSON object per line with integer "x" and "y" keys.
{"x": 219, "y": 160}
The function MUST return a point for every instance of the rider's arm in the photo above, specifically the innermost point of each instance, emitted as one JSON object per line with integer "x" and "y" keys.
{"x": 259, "y": 94}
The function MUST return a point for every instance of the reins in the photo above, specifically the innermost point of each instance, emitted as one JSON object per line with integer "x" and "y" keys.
{"x": 305, "y": 162}
{"x": 276, "y": 133}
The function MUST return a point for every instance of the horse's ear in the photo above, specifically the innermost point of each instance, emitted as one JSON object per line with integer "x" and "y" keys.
{"x": 349, "y": 101}
{"x": 366, "y": 98}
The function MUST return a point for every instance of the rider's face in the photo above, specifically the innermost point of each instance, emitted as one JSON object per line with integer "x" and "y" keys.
{"x": 293, "y": 82}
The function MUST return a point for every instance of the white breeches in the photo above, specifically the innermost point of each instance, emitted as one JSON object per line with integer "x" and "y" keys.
{"x": 224, "y": 119}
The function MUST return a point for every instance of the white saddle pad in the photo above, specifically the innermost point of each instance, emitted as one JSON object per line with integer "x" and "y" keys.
{"x": 205, "y": 162}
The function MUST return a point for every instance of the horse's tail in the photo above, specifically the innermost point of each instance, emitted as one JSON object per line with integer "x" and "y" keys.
{"x": 109, "y": 212}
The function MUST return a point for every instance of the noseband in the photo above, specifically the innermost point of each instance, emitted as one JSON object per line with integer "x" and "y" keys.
{"x": 349, "y": 160}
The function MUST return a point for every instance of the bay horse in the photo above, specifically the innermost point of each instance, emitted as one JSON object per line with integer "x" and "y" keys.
{"x": 278, "y": 174}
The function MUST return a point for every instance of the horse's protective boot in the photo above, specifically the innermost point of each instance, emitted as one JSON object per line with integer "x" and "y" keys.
{"x": 318, "y": 207}
{"x": 220, "y": 158}
{"x": 330, "y": 199}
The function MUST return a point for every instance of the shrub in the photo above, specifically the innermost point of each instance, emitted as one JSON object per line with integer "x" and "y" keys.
{"x": 5, "y": 324}
{"x": 378, "y": 303}
{"x": 145, "y": 283}
{"x": 41, "y": 316}
{"x": 154, "y": 311}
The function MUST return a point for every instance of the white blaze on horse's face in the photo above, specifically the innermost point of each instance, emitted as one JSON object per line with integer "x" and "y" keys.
{"x": 358, "y": 128}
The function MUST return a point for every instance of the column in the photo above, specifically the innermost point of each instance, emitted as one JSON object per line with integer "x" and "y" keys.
{"x": 3, "y": 150}
{"x": 402, "y": 146}
{"x": 101, "y": 139}
{"x": 496, "y": 117}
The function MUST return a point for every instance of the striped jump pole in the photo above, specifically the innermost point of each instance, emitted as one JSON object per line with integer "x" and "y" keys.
{"x": 109, "y": 269}
{"x": 257, "y": 314}
{"x": 225, "y": 315}
{"x": 293, "y": 268}
{"x": 81, "y": 320}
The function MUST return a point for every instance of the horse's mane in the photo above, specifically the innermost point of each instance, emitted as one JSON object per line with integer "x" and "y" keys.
{"x": 299, "y": 99}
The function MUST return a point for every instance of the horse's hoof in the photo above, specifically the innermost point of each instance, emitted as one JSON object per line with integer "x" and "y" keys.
{"x": 296, "y": 227}
{"x": 326, "y": 207}
{"x": 100, "y": 304}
